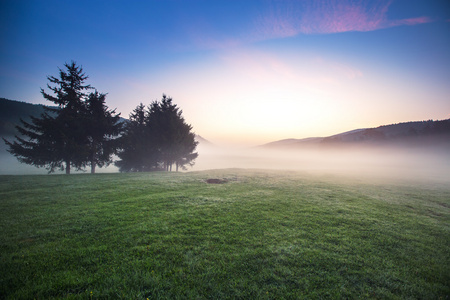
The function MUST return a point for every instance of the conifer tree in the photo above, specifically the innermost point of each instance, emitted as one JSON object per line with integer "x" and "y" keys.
{"x": 156, "y": 138}
{"x": 56, "y": 140}
{"x": 174, "y": 136}
{"x": 138, "y": 152}
{"x": 102, "y": 128}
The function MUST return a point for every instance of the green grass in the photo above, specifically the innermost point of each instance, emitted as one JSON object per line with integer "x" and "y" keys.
{"x": 262, "y": 235}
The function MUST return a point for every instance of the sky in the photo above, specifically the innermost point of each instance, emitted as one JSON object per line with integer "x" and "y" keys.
{"x": 243, "y": 72}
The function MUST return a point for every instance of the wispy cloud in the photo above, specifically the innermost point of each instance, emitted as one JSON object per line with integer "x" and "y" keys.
{"x": 285, "y": 19}
{"x": 412, "y": 21}
{"x": 288, "y": 18}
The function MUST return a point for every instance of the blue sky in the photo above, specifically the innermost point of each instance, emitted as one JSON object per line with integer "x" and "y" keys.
{"x": 244, "y": 72}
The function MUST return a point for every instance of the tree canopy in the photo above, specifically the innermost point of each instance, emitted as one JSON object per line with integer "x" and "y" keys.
{"x": 103, "y": 126}
{"x": 156, "y": 138}
{"x": 78, "y": 132}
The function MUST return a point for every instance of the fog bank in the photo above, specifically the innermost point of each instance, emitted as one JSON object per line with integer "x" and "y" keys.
{"x": 423, "y": 163}
{"x": 383, "y": 162}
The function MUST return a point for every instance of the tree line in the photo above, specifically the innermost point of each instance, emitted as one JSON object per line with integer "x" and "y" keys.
{"x": 81, "y": 131}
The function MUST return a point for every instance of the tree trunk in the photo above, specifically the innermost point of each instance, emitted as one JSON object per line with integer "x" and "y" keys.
{"x": 67, "y": 167}
{"x": 93, "y": 158}
{"x": 176, "y": 165}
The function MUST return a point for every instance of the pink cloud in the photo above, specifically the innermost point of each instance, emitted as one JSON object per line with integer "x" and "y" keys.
{"x": 412, "y": 21}
{"x": 281, "y": 19}
{"x": 332, "y": 16}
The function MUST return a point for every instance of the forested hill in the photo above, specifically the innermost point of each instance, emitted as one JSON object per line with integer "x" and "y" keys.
{"x": 12, "y": 111}
{"x": 426, "y": 133}
{"x": 400, "y": 131}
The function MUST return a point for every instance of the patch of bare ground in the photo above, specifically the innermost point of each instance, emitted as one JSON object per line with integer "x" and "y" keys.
{"x": 216, "y": 181}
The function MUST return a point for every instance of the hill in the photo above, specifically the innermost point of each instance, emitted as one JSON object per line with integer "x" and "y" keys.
{"x": 202, "y": 141}
{"x": 408, "y": 133}
{"x": 11, "y": 111}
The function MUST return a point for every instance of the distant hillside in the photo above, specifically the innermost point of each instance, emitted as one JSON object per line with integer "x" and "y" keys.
{"x": 202, "y": 141}
{"x": 392, "y": 132}
{"x": 12, "y": 111}
{"x": 312, "y": 141}
{"x": 403, "y": 133}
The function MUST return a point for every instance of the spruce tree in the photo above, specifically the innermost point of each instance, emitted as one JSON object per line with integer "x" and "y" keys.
{"x": 156, "y": 138}
{"x": 102, "y": 128}
{"x": 173, "y": 135}
{"x": 138, "y": 151}
{"x": 36, "y": 144}
{"x": 57, "y": 140}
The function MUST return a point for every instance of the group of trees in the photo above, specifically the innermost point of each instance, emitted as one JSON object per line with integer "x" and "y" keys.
{"x": 81, "y": 131}
{"x": 156, "y": 138}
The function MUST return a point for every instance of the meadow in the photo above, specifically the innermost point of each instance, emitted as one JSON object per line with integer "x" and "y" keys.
{"x": 258, "y": 235}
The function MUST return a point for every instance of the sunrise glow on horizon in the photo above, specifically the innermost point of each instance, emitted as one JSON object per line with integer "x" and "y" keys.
{"x": 244, "y": 72}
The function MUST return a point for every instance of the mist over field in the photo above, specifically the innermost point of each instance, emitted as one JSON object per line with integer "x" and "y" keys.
{"x": 9, "y": 165}
{"x": 388, "y": 162}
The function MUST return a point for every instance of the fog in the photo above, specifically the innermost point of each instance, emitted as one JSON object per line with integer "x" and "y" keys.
{"x": 9, "y": 165}
{"x": 372, "y": 162}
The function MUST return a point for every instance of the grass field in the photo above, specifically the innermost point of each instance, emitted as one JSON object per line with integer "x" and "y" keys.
{"x": 261, "y": 235}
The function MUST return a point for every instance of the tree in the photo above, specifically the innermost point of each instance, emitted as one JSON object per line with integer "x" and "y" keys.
{"x": 138, "y": 152}
{"x": 186, "y": 147}
{"x": 102, "y": 128}
{"x": 38, "y": 146}
{"x": 156, "y": 138}
{"x": 173, "y": 135}
{"x": 57, "y": 139}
